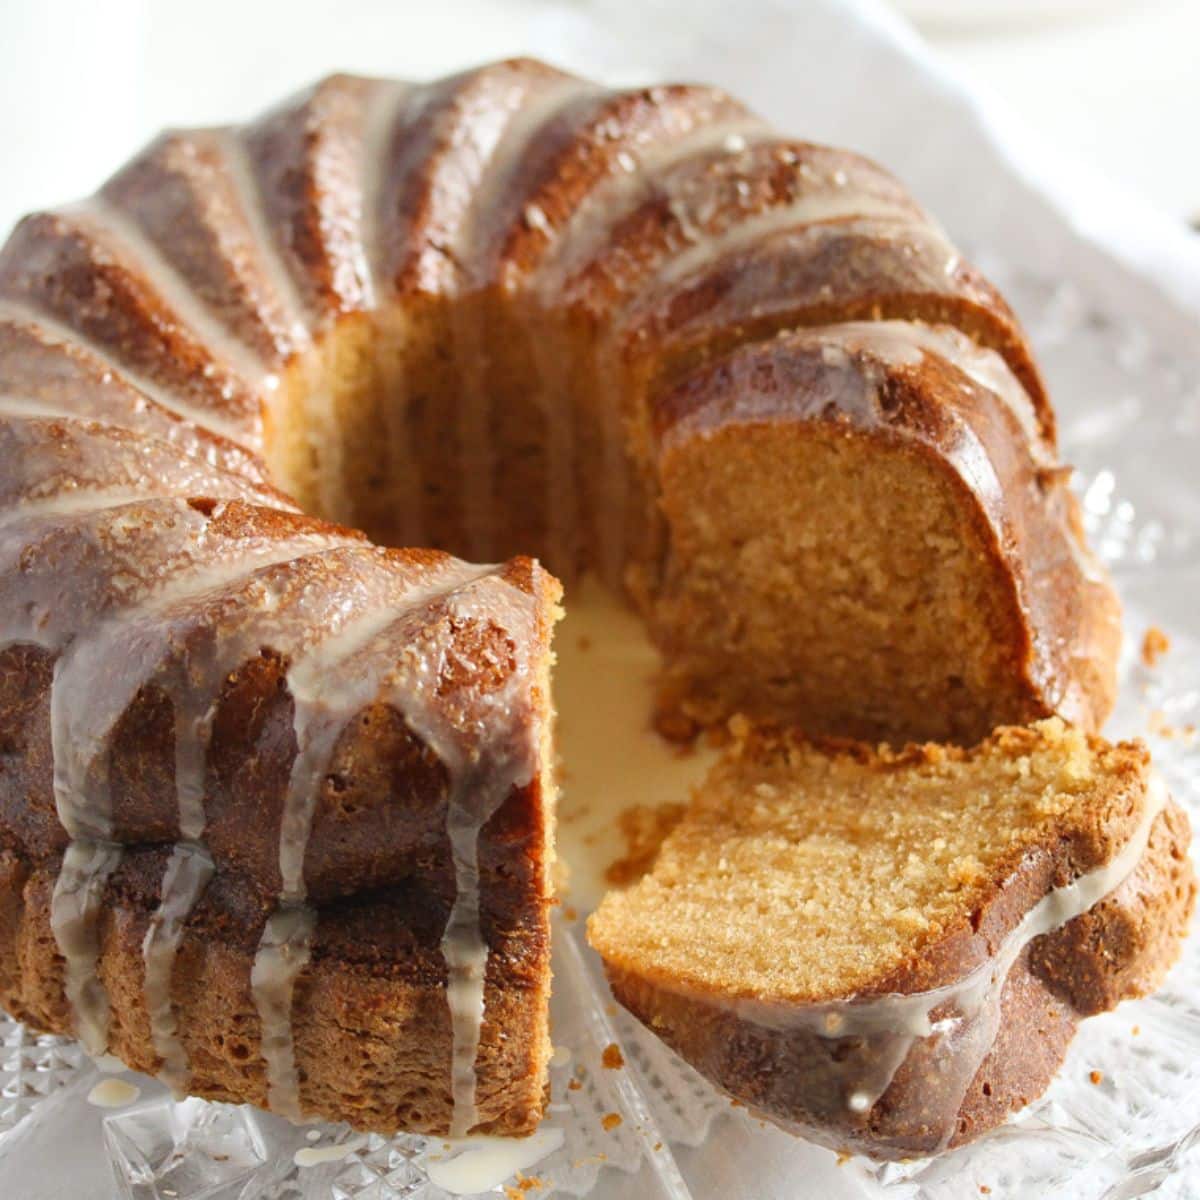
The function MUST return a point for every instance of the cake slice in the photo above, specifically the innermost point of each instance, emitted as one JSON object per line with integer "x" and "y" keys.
{"x": 890, "y": 951}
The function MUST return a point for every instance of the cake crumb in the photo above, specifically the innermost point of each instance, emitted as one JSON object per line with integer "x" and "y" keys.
{"x": 987, "y": 1191}
{"x": 1155, "y": 644}
{"x": 843, "y": 1157}
{"x": 598, "y": 1157}
{"x": 1137, "y": 1029}
{"x": 585, "y": 642}
{"x": 610, "y": 1121}
{"x": 612, "y": 1057}
{"x": 658, "y": 1146}
{"x": 573, "y": 1085}
{"x": 524, "y": 1185}
{"x": 1158, "y": 724}
{"x": 1096, "y": 1076}
{"x": 674, "y": 725}
{"x": 570, "y": 913}
{"x": 644, "y": 828}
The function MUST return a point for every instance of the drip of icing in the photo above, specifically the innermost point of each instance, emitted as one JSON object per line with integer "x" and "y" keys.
{"x": 482, "y": 777}
{"x": 114, "y": 1093}
{"x": 283, "y": 286}
{"x": 78, "y": 502}
{"x": 314, "y": 1156}
{"x": 24, "y": 409}
{"x": 383, "y": 110}
{"x": 479, "y": 1164}
{"x": 282, "y": 954}
{"x": 128, "y": 241}
{"x": 188, "y": 872}
{"x": 56, "y": 333}
{"x": 840, "y": 211}
{"x": 620, "y": 194}
{"x": 74, "y": 910}
{"x": 882, "y": 1030}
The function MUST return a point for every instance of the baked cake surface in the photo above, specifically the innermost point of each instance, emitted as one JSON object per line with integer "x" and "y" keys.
{"x": 275, "y": 801}
{"x": 890, "y": 950}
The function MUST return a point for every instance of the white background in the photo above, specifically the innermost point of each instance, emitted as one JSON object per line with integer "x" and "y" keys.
{"x": 1113, "y": 84}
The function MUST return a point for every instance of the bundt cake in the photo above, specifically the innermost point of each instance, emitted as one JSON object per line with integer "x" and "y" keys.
{"x": 275, "y": 804}
{"x": 890, "y": 951}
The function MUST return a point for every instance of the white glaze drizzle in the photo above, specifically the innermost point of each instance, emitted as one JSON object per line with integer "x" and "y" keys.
{"x": 78, "y": 502}
{"x": 56, "y": 333}
{"x": 315, "y": 1156}
{"x": 480, "y": 1164}
{"x": 22, "y": 408}
{"x": 187, "y": 875}
{"x": 75, "y": 907}
{"x": 282, "y": 954}
{"x": 481, "y": 777}
{"x": 840, "y": 211}
{"x": 383, "y": 111}
{"x": 114, "y": 1093}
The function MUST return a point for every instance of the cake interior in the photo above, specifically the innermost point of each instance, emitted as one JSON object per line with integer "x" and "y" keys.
{"x": 798, "y": 875}
{"x": 810, "y": 570}
{"x": 787, "y": 570}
